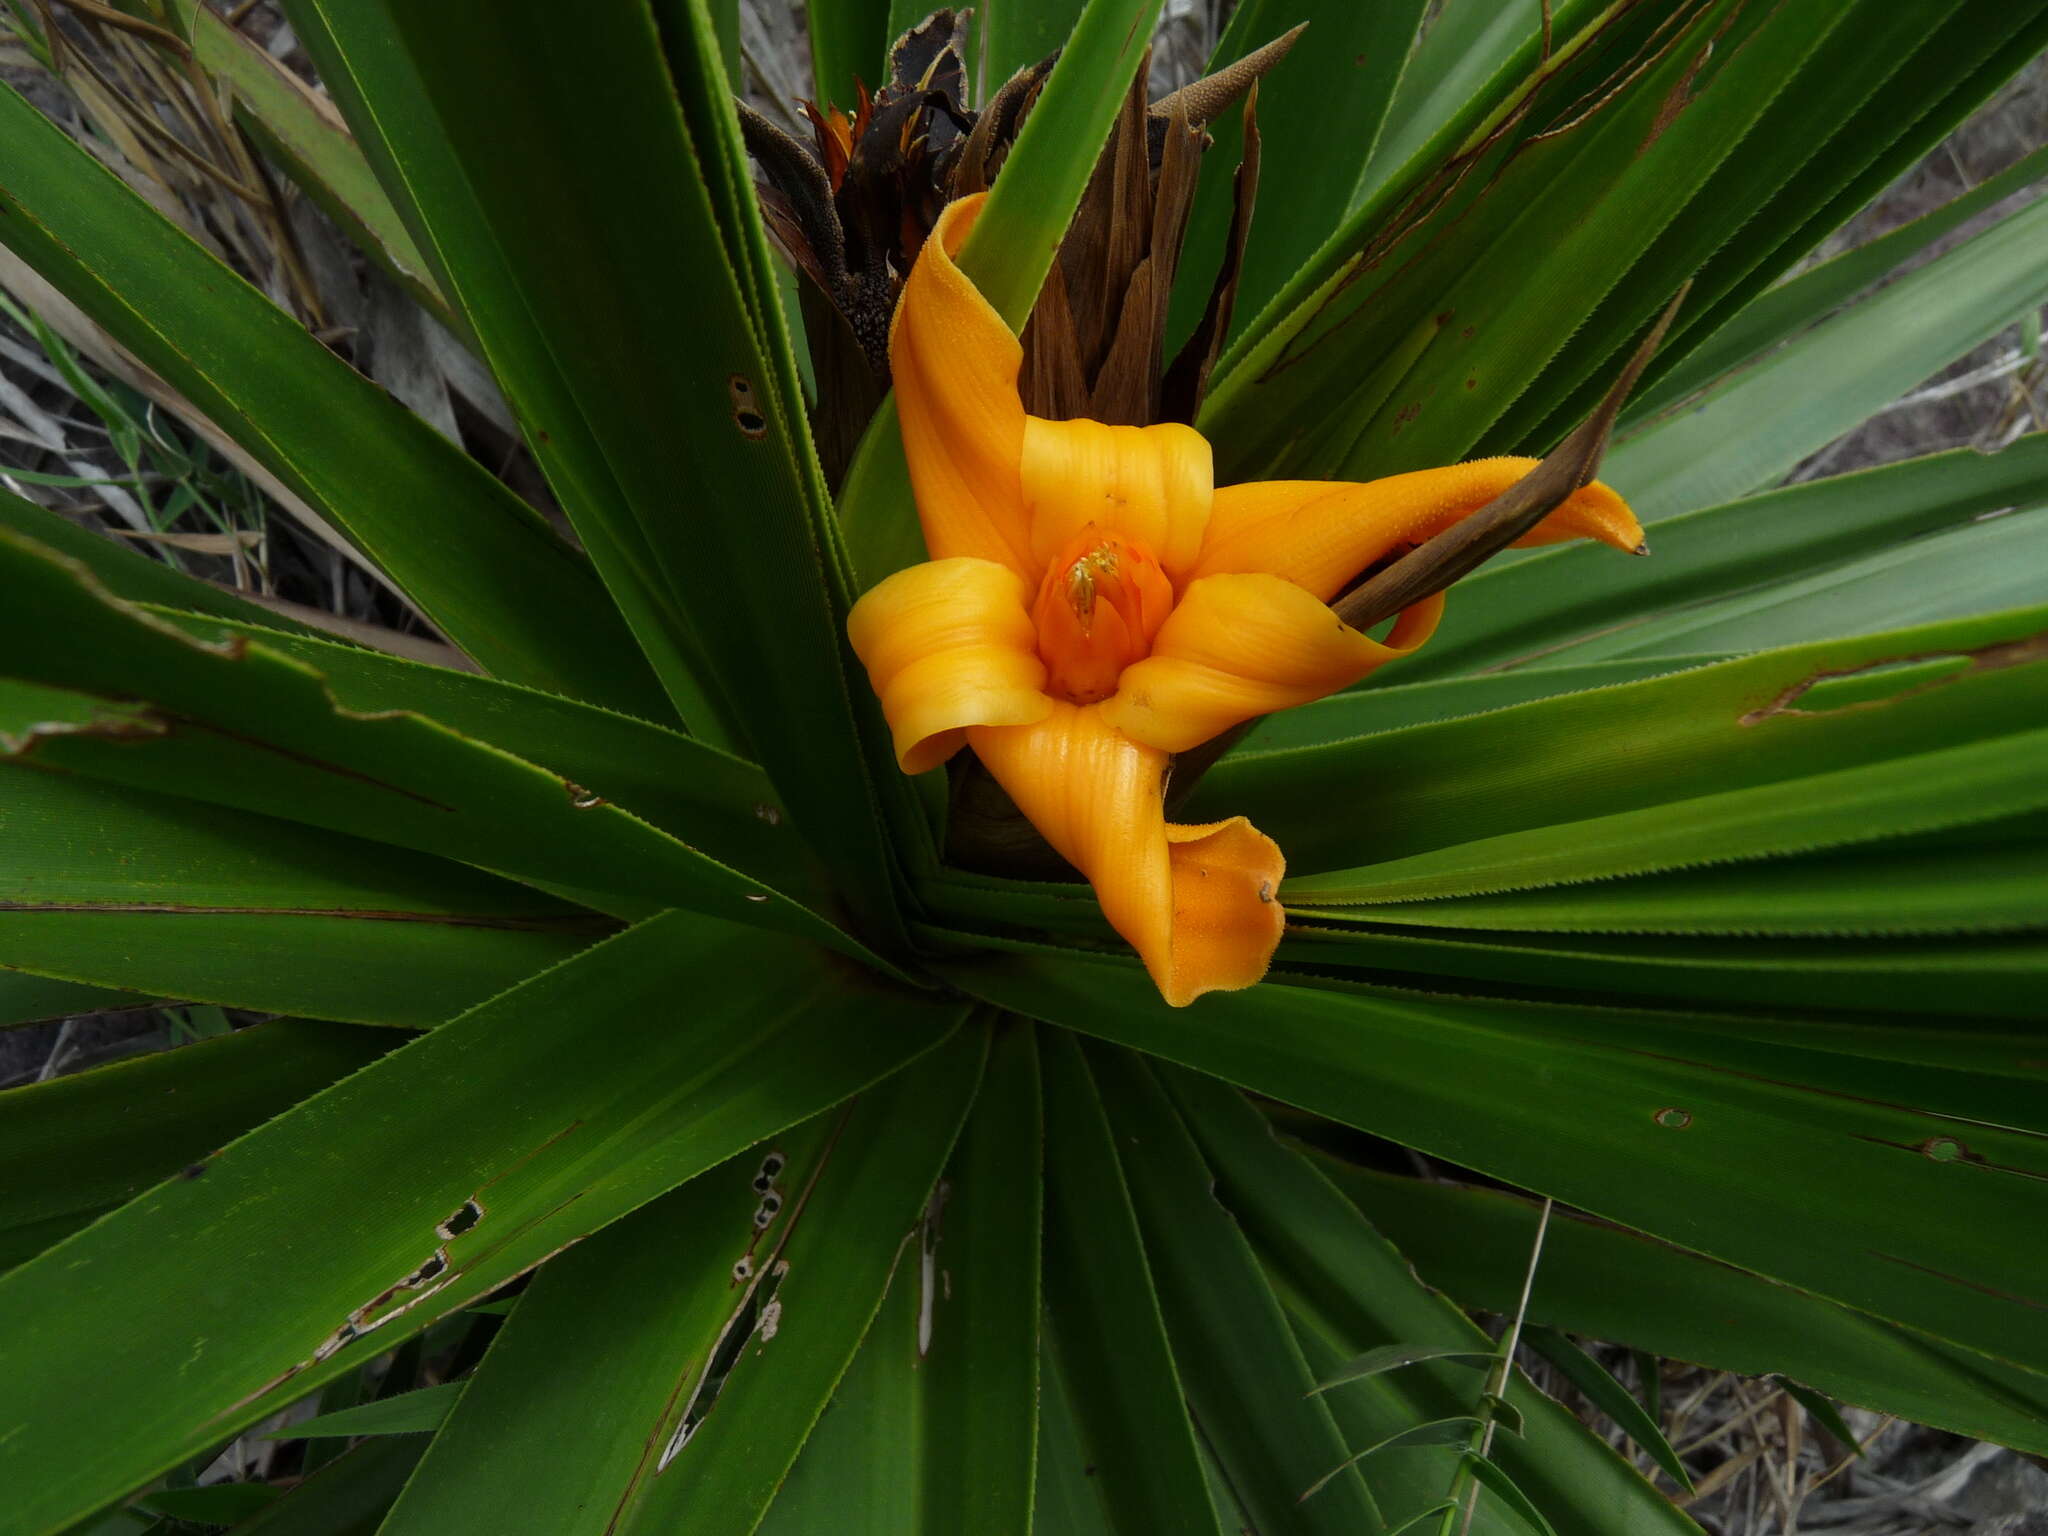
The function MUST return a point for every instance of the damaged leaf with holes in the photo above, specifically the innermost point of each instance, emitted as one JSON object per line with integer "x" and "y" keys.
{"x": 983, "y": 896}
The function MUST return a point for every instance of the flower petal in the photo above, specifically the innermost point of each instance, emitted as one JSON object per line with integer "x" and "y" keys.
{"x": 1239, "y": 646}
{"x": 1320, "y": 534}
{"x": 949, "y": 644}
{"x": 955, "y": 366}
{"x": 1197, "y": 903}
{"x": 1149, "y": 485}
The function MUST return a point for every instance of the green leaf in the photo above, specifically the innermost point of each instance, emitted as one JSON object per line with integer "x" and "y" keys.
{"x": 359, "y": 63}
{"x": 720, "y": 805}
{"x": 1347, "y": 1290}
{"x": 1978, "y": 879}
{"x": 567, "y": 1410}
{"x": 980, "y": 1375}
{"x": 1013, "y": 33}
{"x": 423, "y": 1183}
{"x": 1747, "y": 432}
{"x": 346, "y": 1497}
{"x": 28, "y": 999}
{"x": 1009, "y": 251}
{"x": 1857, "y": 105}
{"x": 1104, "y": 1324}
{"x": 486, "y": 568}
{"x": 1013, "y": 242}
{"x": 229, "y": 720}
{"x": 1065, "y": 1502}
{"x": 1965, "y": 978}
{"x": 1824, "y": 1412}
{"x": 77, "y": 1146}
{"x": 1367, "y": 711}
{"x": 1513, "y": 614}
{"x": 1954, "y": 69}
{"x": 1840, "y": 1175}
{"x": 1421, "y": 1515}
{"x": 1462, "y": 63}
{"x": 1319, "y": 116}
{"x": 215, "y": 1504}
{"x": 934, "y": 1428}
{"x": 116, "y": 887}
{"x": 1391, "y": 1357}
{"x": 1798, "y": 302}
{"x": 707, "y": 1380}
{"x": 1611, "y": 1283}
{"x": 1608, "y": 1395}
{"x": 681, "y": 375}
{"x": 1922, "y": 792}
{"x": 1455, "y": 1430}
{"x": 849, "y": 41}
{"x": 1405, "y": 337}
{"x": 424, "y": 1408}
{"x": 298, "y": 128}
{"x": 1979, "y": 567}
{"x": 1247, "y": 1384}
{"x": 1716, "y": 729}
{"x": 1496, "y": 1479}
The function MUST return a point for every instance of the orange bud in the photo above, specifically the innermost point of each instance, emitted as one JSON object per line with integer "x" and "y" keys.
{"x": 1102, "y": 601}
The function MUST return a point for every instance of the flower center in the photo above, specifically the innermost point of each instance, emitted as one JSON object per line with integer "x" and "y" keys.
{"x": 1102, "y": 601}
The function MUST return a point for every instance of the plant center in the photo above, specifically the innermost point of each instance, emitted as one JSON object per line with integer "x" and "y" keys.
{"x": 1101, "y": 602}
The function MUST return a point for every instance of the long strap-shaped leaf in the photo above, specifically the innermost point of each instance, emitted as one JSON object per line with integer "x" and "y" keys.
{"x": 1520, "y": 612}
{"x": 1247, "y": 1383}
{"x": 118, "y": 887}
{"x": 1757, "y": 720}
{"x": 1874, "y": 1200}
{"x": 1982, "y": 878}
{"x": 1109, "y": 1339}
{"x": 1918, "y": 792}
{"x": 417, "y": 1186}
{"x": 1617, "y": 1285}
{"x": 1348, "y": 1290}
{"x": 1999, "y": 976}
{"x": 754, "y": 1281}
{"x": 720, "y": 805}
{"x": 1368, "y": 711}
{"x": 1389, "y": 351}
{"x": 1011, "y": 249}
{"x": 934, "y": 1429}
{"x": 1943, "y": 78}
{"x": 30, "y": 999}
{"x": 76, "y": 1147}
{"x": 1856, "y": 116}
{"x": 638, "y": 351}
{"x": 1979, "y": 567}
{"x": 1811, "y": 297}
{"x": 1399, "y": 350}
{"x": 1318, "y": 118}
{"x": 864, "y": 1224}
{"x": 127, "y": 572}
{"x": 300, "y": 130}
{"x": 1748, "y": 431}
{"x": 480, "y": 563}
{"x": 232, "y": 722}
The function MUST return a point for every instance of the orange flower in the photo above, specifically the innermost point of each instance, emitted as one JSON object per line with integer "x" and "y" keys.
{"x": 1094, "y": 604}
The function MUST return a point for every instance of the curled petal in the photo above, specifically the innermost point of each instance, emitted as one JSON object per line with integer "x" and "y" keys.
{"x": 948, "y": 644}
{"x": 1240, "y": 646}
{"x": 1320, "y": 534}
{"x": 1198, "y": 903}
{"x": 955, "y": 365}
{"x": 1149, "y": 485}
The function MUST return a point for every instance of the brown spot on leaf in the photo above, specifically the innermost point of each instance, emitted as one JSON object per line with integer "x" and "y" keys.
{"x": 1990, "y": 658}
